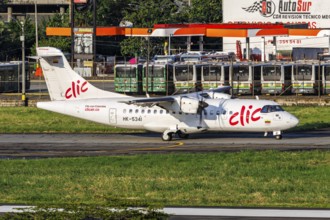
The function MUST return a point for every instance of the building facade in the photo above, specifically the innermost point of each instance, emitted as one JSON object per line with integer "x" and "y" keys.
{"x": 26, "y": 8}
{"x": 314, "y": 13}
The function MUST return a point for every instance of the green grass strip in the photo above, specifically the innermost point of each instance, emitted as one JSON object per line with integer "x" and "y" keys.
{"x": 34, "y": 120}
{"x": 249, "y": 178}
{"x": 311, "y": 117}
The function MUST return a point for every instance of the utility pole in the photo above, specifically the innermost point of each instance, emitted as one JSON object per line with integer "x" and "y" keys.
{"x": 231, "y": 72}
{"x": 22, "y": 38}
{"x": 72, "y": 33}
{"x": 94, "y": 37}
{"x": 169, "y": 44}
{"x": 36, "y": 22}
{"x": 148, "y": 54}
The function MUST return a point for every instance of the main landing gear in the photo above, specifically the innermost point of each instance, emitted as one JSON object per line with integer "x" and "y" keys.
{"x": 168, "y": 135}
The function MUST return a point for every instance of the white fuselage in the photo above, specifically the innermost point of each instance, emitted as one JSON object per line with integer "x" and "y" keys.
{"x": 220, "y": 115}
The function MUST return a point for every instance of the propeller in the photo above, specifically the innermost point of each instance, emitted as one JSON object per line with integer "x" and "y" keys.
{"x": 202, "y": 105}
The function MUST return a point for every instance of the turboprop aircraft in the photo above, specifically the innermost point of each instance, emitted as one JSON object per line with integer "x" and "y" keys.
{"x": 183, "y": 114}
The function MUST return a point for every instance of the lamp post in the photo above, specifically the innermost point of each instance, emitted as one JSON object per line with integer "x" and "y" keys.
{"x": 23, "y": 63}
{"x": 169, "y": 44}
{"x": 231, "y": 72}
{"x": 319, "y": 78}
{"x": 148, "y": 53}
{"x": 22, "y": 39}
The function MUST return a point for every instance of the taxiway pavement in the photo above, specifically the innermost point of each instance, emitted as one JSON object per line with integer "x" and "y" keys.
{"x": 64, "y": 145}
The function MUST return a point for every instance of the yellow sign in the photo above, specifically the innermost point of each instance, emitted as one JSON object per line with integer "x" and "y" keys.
{"x": 88, "y": 63}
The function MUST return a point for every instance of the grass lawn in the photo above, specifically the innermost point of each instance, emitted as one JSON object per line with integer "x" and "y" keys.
{"x": 249, "y": 178}
{"x": 34, "y": 120}
{"x": 311, "y": 117}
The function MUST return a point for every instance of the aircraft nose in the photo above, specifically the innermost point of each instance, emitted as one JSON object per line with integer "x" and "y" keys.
{"x": 294, "y": 121}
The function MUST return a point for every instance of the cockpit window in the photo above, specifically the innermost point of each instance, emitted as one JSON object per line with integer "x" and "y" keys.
{"x": 271, "y": 108}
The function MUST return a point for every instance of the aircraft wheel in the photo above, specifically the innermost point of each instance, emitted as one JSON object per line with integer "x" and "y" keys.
{"x": 167, "y": 136}
{"x": 278, "y": 137}
{"x": 183, "y": 135}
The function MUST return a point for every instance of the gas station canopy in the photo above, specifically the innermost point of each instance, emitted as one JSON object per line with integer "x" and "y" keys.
{"x": 206, "y": 30}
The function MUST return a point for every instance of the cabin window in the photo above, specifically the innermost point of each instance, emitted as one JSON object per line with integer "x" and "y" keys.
{"x": 136, "y": 110}
{"x": 131, "y": 111}
{"x": 142, "y": 111}
{"x": 124, "y": 111}
{"x": 149, "y": 111}
{"x": 155, "y": 111}
{"x": 161, "y": 111}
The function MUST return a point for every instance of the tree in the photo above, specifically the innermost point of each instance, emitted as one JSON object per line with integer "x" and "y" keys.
{"x": 149, "y": 12}
{"x": 146, "y": 14}
{"x": 108, "y": 13}
{"x": 209, "y": 11}
{"x": 10, "y": 33}
{"x": 111, "y": 12}
{"x": 57, "y": 20}
{"x": 10, "y": 44}
{"x": 132, "y": 46}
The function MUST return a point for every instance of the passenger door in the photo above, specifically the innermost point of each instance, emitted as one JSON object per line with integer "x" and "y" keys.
{"x": 112, "y": 116}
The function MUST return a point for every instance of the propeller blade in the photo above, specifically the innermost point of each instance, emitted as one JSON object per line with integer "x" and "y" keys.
{"x": 201, "y": 110}
{"x": 203, "y": 104}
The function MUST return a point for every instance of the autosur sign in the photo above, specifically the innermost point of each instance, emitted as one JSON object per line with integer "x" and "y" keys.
{"x": 314, "y": 12}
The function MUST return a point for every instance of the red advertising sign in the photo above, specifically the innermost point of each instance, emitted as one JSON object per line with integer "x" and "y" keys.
{"x": 80, "y": 1}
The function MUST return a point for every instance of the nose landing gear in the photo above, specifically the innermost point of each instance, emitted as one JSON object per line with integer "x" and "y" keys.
{"x": 278, "y": 135}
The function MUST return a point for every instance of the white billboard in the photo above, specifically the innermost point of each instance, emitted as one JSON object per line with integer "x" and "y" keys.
{"x": 315, "y": 13}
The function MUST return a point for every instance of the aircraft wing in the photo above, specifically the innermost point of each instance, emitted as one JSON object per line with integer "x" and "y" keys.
{"x": 221, "y": 89}
{"x": 184, "y": 103}
{"x": 187, "y": 103}
{"x": 160, "y": 101}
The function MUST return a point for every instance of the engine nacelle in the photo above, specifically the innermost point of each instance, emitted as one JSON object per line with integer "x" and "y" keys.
{"x": 189, "y": 105}
{"x": 218, "y": 95}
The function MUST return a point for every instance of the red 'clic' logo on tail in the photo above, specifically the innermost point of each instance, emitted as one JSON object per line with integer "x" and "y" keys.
{"x": 76, "y": 89}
